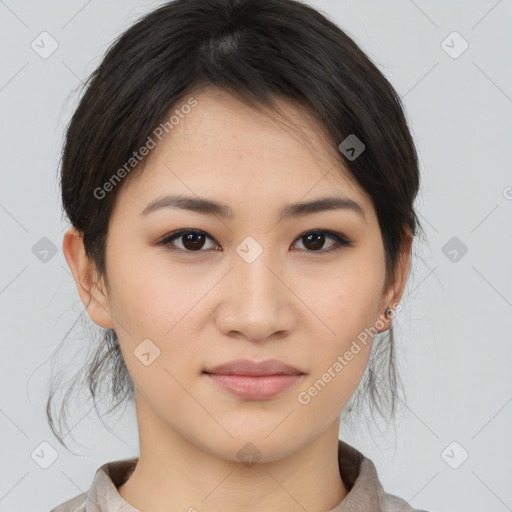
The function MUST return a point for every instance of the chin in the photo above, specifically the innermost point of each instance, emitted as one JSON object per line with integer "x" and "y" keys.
{"x": 251, "y": 446}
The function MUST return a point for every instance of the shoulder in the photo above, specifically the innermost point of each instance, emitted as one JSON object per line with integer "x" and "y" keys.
{"x": 102, "y": 494}
{"x": 76, "y": 504}
{"x": 366, "y": 493}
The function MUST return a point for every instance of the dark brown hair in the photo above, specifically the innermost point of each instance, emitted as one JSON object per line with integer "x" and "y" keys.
{"x": 259, "y": 51}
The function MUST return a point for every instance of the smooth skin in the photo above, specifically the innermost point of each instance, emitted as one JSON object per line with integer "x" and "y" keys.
{"x": 209, "y": 305}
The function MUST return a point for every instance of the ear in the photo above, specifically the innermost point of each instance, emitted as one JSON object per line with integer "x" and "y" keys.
{"x": 93, "y": 296}
{"x": 396, "y": 289}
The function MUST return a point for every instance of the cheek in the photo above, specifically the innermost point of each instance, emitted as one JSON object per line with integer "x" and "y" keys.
{"x": 325, "y": 394}
{"x": 153, "y": 300}
{"x": 347, "y": 299}
{"x": 347, "y": 304}
{"x": 149, "y": 295}
{"x": 348, "y": 309}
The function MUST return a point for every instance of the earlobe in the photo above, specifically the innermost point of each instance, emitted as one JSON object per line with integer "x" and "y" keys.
{"x": 93, "y": 297}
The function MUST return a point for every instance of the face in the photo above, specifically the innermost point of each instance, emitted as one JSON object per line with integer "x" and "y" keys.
{"x": 190, "y": 290}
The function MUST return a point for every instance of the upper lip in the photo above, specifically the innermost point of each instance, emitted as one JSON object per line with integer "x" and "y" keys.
{"x": 248, "y": 367}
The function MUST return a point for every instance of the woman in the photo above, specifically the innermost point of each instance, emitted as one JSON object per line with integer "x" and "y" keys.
{"x": 240, "y": 181}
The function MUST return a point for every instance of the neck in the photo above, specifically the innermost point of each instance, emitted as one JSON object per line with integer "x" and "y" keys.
{"x": 174, "y": 473}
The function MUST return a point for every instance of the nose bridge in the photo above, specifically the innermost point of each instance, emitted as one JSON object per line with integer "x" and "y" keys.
{"x": 254, "y": 273}
{"x": 256, "y": 303}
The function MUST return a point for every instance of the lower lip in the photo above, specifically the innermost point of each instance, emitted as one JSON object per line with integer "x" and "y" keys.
{"x": 254, "y": 388}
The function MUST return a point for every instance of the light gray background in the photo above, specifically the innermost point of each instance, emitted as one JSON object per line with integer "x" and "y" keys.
{"x": 454, "y": 330}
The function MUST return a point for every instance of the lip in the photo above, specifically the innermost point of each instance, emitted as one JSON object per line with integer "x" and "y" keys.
{"x": 254, "y": 388}
{"x": 255, "y": 369}
{"x": 254, "y": 380}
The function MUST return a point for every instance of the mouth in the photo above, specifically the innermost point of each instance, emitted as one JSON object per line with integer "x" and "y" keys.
{"x": 254, "y": 380}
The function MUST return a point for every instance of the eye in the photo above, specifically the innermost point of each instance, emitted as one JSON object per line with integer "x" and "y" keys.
{"x": 193, "y": 240}
{"x": 314, "y": 240}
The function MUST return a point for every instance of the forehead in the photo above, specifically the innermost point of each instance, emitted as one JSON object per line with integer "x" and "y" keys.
{"x": 227, "y": 149}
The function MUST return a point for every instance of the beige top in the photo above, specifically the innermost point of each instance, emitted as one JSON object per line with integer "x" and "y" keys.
{"x": 358, "y": 473}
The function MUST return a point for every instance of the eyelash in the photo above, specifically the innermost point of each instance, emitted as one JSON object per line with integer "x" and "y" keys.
{"x": 341, "y": 241}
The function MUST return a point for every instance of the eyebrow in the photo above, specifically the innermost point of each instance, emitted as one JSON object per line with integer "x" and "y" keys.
{"x": 210, "y": 207}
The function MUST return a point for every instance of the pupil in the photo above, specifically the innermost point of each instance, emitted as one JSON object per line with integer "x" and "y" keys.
{"x": 319, "y": 238}
{"x": 191, "y": 238}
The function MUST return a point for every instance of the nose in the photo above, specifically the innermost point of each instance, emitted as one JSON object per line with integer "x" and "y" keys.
{"x": 256, "y": 301}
